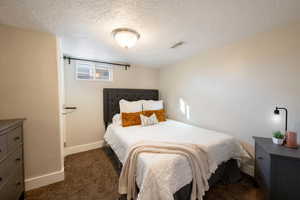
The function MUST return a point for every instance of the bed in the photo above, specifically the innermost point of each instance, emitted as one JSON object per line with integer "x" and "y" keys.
{"x": 172, "y": 172}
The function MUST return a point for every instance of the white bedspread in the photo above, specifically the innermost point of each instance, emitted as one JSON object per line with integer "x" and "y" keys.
{"x": 165, "y": 173}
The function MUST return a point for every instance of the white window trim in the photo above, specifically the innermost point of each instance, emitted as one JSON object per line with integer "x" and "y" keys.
{"x": 94, "y": 67}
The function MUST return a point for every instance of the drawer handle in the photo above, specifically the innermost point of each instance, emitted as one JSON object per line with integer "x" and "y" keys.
{"x": 18, "y": 183}
{"x": 1, "y": 179}
{"x": 18, "y": 159}
{"x": 17, "y": 138}
{"x": 260, "y": 158}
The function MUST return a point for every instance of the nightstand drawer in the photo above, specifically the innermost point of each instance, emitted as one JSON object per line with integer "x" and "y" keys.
{"x": 262, "y": 166}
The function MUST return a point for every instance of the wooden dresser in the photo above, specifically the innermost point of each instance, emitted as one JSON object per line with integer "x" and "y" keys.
{"x": 277, "y": 170}
{"x": 11, "y": 160}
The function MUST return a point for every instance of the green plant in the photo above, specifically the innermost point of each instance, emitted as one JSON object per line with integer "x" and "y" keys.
{"x": 278, "y": 135}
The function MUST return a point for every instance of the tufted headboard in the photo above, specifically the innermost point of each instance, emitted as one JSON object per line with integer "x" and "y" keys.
{"x": 112, "y": 96}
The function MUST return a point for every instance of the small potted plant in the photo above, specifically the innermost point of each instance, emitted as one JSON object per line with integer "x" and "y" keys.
{"x": 278, "y": 138}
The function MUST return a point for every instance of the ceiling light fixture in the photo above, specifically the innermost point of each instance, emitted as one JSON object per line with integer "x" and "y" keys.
{"x": 125, "y": 37}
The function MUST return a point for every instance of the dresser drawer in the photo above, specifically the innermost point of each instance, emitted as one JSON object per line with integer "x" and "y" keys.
{"x": 3, "y": 146}
{"x": 13, "y": 188}
{"x": 14, "y": 139}
{"x": 10, "y": 166}
{"x": 262, "y": 166}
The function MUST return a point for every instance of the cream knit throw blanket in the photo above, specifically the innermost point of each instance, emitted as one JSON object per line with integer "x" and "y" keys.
{"x": 196, "y": 157}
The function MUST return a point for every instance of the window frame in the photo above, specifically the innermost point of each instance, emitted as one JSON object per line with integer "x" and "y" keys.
{"x": 94, "y": 66}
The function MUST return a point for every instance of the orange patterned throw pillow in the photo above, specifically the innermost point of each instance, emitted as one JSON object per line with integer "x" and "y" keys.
{"x": 131, "y": 119}
{"x": 160, "y": 114}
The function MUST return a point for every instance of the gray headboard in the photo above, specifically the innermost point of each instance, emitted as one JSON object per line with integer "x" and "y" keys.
{"x": 112, "y": 96}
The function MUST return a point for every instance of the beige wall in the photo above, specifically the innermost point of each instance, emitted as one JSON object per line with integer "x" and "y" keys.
{"x": 85, "y": 125}
{"x": 29, "y": 88}
{"x": 235, "y": 89}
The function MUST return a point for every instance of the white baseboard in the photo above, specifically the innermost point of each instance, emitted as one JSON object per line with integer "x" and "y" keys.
{"x": 83, "y": 147}
{"x": 47, "y": 179}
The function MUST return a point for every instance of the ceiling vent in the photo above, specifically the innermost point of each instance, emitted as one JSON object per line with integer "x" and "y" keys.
{"x": 177, "y": 44}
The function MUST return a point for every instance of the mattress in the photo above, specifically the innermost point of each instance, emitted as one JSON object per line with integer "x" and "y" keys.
{"x": 170, "y": 172}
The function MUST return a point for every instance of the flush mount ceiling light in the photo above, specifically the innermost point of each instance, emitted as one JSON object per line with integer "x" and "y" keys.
{"x": 126, "y": 37}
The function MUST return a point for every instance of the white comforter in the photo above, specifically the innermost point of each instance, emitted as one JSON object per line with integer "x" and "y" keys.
{"x": 159, "y": 176}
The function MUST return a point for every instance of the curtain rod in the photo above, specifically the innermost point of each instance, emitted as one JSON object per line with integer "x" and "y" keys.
{"x": 96, "y": 61}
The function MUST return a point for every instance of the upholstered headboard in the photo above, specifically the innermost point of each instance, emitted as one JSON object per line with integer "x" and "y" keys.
{"x": 112, "y": 96}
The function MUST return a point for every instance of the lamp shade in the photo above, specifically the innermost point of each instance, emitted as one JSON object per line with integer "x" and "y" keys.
{"x": 276, "y": 111}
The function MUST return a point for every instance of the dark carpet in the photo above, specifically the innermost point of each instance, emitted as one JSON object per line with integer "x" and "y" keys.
{"x": 91, "y": 176}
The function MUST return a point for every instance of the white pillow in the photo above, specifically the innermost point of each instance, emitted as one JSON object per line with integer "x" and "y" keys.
{"x": 130, "y": 106}
{"x": 153, "y": 105}
{"x": 117, "y": 119}
{"x": 147, "y": 121}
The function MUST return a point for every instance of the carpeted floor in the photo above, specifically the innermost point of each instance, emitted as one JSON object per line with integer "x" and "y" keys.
{"x": 91, "y": 176}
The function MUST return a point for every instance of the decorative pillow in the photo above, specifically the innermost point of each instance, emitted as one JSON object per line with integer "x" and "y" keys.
{"x": 160, "y": 114}
{"x": 147, "y": 121}
{"x": 131, "y": 119}
{"x": 117, "y": 119}
{"x": 130, "y": 106}
{"x": 153, "y": 105}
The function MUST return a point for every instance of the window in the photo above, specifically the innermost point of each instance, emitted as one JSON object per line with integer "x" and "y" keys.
{"x": 93, "y": 71}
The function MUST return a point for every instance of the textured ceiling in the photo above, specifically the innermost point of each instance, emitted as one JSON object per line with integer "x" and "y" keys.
{"x": 85, "y": 25}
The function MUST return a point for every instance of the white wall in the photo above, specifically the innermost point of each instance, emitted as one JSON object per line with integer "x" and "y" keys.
{"x": 29, "y": 89}
{"x": 235, "y": 89}
{"x": 85, "y": 125}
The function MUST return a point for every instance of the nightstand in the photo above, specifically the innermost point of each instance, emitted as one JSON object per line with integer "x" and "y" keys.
{"x": 277, "y": 170}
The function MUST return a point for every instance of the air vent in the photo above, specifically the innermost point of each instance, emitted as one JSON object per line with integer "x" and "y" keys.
{"x": 177, "y": 44}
